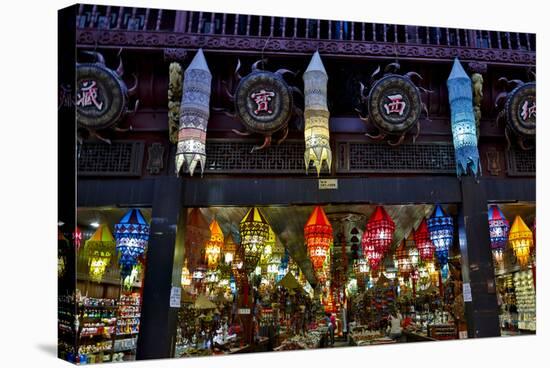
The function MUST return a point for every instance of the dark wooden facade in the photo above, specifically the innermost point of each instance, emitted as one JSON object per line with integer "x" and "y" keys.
{"x": 369, "y": 172}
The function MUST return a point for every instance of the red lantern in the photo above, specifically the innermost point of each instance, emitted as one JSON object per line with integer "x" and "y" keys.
{"x": 318, "y": 236}
{"x": 423, "y": 242}
{"x": 374, "y": 257}
{"x": 379, "y": 231}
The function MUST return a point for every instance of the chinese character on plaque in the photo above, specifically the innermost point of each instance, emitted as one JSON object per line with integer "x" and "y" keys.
{"x": 528, "y": 111}
{"x": 262, "y": 99}
{"x": 88, "y": 95}
{"x": 396, "y": 104}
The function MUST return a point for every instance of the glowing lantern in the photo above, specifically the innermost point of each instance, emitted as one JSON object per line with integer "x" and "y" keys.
{"x": 433, "y": 273}
{"x": 404, "y": 264}
{"x": 254, "y": 231}
{"x": 318, "y": 236}
{"x": 214, "y": 246}
{"x": 412, "y": 250}
{"x": 277, "y": 254}
{"x": 329, "y": 303}
{"x": 99, "y": 248}
{"x": 185, "y": 276}
{"x": 498, "y": 232}
{"x": 197, "y": 234}
{"x": 229, "y": 248}
{"x": 423, "y": 242}
{"x": 237, "y": 267}
{"x": 521, "y": 239}
{"x": 199, "y": 273}
{"x": 463, "y": 123}
{"x": 379, "y": 232}
{"x": 373, "y": 256}
{"x": 132, "y": 235}
{"x": 441, "y": 229}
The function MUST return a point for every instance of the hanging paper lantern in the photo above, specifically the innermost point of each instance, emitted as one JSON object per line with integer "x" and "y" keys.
{"x": 379, "y": 231}
{"x": 463, "y": 121}
{"x": 132, "y": 235}
{"x": 316, "y": 131}
{"x": 318, "y": 237}
{"x": 99, "y": 249}
{"x": 229, "y": 248}
{"x": 373, "y": 256}
{"x": 185, "y": 276}
{"x": 498, "y": 233}
{"x": 197, "y": 234}
{"x": 254, "y": 231}
{"x": 194, "y": 114}
{"x": 213, "y": 247}
{"x": 404, "y": 264}
{"x": 521, "y": 239}
{"x": 423, "y": 242}
{"x": 441, "y": 229}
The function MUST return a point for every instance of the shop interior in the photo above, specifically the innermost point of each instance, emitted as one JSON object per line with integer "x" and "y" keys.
{"x": 277, "y": 278}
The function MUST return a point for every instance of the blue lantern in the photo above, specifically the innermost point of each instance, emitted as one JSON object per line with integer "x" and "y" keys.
{"x": 131, "y": 235}
{"x": 463, "y": 121}
{"x": 441, "y": 228}
{"x": 498, "y": 229}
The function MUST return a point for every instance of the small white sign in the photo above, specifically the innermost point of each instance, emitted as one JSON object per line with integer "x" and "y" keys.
{"x": 467, "y": 292}
{"x": 175, "y": 297}
{"x": 462, "y": 334}
{"x": 243, "y": 311}
{"x": 328, "y": 184}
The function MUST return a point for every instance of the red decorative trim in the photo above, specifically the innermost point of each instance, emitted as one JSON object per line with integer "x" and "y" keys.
{"x": 280, "y": 45}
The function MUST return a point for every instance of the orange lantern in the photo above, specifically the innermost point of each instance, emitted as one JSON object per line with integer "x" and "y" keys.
{"x": 318, "y": 236}
{"x": 404, "y": 264}
{"x": 521, "y": 239}
{"x": 214, "y": 246}
{"x": 197, "y": 234}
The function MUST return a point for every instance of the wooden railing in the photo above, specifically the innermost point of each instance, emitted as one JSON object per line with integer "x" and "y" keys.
{"x": 205, "y": 23}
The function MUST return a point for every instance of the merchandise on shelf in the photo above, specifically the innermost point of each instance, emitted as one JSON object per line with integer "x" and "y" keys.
{"x": 525, "y": 300}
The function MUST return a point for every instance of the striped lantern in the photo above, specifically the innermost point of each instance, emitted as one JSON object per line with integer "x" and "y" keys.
{"x": 318, "y": 237}
{"x": 499, "y": 228}
{"x": 378, "y": 234}
{"x": 99, "y": 250}
{"x": 521, "y": 240}
{"x": 254, "y": 231}
{"x": 213, "y": 247}
{"x": 132, "y": 235}
{"x": 441, "y": 229}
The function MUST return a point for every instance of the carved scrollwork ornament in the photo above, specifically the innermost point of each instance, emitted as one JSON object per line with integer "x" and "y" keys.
{"x": 393, "y": 104}
{"x": 102, "y": 96}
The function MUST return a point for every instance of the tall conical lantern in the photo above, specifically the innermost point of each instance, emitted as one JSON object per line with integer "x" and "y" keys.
{"x": 412, "y": 251}
{"x": 498, "y": 233}
{"x": 194, "y": 115}
{"x": 254, "y": 231}
{"x": 463, "y": 122}
{"x": 316, "y": 114}
{"x": 198, "y": 233}
{"x": 99, "y": 248}
{"x": 379, "y": 232}
{"x": 404, "y": 264}
{"x": 521, "y": 240}
{"x": 441, "y": 230}
{"x": 213, "y": 247}
{"x": 132, "y": 235}
{"x": 423, "y": 242}
{"x": 318, "y": 237}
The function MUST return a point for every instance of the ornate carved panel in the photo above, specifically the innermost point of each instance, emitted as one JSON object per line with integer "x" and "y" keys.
{"x": 120, "y": 158}
{"x": 326, "y": 47}
{"x": 521, "y": 163}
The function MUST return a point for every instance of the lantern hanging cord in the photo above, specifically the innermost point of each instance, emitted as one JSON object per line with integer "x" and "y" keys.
{"x": 263, "y": 49}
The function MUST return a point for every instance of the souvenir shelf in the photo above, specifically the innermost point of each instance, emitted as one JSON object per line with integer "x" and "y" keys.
{"x": 97, "y": 324}
{"x": 127, "y": 326}
{"x": 526, "y": 300}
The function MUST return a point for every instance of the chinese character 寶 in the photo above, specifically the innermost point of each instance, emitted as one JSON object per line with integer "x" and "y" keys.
{"x": 262, "y": 99}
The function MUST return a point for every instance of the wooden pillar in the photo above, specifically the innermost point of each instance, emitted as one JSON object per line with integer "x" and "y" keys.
{"x": 477, "y": 265}
{"x": 158, "y": 321}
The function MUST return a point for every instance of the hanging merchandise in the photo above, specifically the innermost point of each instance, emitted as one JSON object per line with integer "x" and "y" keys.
{"x": 521, "y": 240}
{"x": 129, "y": 281}
{"x": 185, "y": 276}
{"x": 198, "y": 233}
{"x": 214, "y": 246}
{"x": 132, "y": 235}
{"x": 379, "y": 232}
{"x": 316, "y": 132}
{"x": 99, "y": 250}
{"x": 498, "y": 233}
{"x": 423, "y": 242}
{"x": 254, "y": 231}
{"x": 404, "y": 264}
{"x": 194, "y": 114}
{"x": 463, "y": 121}
{"x": 441, "y": 229}
{"x": 318, "y": 237}
{"x": 229, "y": 248}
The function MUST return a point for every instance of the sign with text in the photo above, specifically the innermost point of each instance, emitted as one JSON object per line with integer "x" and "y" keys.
{"x": 328, "y": 184}
{"x": 243, "y": 311}
{"x": 467, "y": 292}
{"x": 175, "y": 297}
